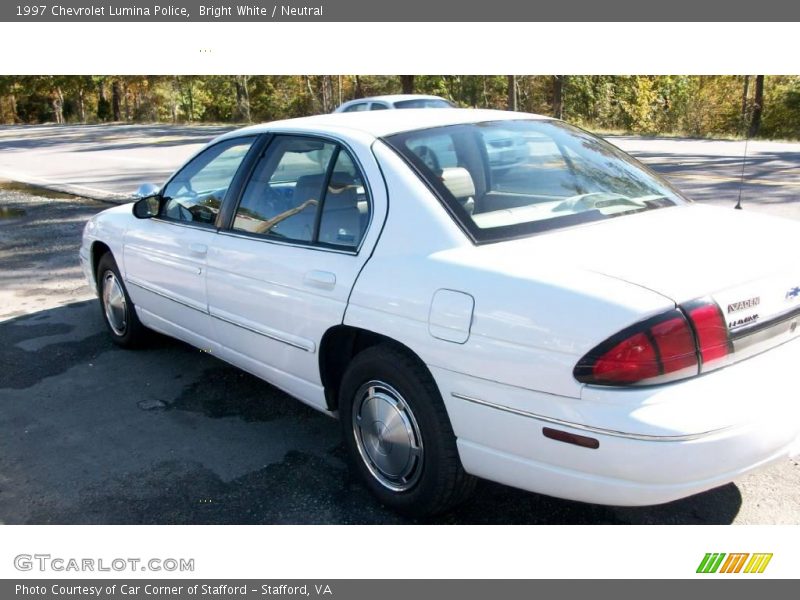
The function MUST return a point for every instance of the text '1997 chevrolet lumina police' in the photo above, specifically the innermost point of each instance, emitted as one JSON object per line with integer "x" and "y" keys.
{"x": 103, "y": 10}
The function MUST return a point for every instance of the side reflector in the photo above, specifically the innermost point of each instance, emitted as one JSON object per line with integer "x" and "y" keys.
{"x": 570, "y": 438}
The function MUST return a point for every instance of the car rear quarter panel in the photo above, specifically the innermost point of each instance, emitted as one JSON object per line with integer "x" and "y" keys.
{"x": 532, "y": 320}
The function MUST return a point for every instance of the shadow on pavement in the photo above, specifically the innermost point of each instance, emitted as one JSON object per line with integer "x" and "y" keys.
{"x": 769, "y": 178}
{"x": 91, "y": 138}
{"x": 91, "y": 433}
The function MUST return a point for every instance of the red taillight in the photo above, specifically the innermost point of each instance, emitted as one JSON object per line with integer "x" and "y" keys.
{"x": 710, "y": 328}
{"x": 630, "y": 360}
{"x": 647, "y": 350}
{"x": 675, "y": 344}
{"x": 669, "y": 346}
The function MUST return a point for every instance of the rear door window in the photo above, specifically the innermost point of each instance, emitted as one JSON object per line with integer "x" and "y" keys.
{"x": 305, "y": 190}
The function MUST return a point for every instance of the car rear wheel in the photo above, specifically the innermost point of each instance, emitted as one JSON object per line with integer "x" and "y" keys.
{"x": 118, "y": 311}
{"x": 398, "y": 435}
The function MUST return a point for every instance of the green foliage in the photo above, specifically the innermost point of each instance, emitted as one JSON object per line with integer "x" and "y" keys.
{"x": 644, "y": 104}
{"x": 781, "y": 117}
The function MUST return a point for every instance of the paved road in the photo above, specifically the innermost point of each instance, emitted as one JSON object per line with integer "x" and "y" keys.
{"x": 111, "y": 161}
{"x": 98, "y": 161}
{"x": 710, "y": 171}
{"x": 90, "y": 433}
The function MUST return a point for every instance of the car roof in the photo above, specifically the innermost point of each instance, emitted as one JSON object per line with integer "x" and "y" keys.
{"x": 381, "y": 123}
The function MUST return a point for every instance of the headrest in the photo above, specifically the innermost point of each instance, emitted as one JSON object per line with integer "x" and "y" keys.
{"x": 458, "y": 181}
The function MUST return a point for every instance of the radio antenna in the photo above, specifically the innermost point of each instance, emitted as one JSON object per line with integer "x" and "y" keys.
{"x": 741, "y": 179}
{"x": 744, "y": 156}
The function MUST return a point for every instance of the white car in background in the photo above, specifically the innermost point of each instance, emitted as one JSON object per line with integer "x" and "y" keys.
{"x": 393, "y": 101}
{"x": 572, "y": 326}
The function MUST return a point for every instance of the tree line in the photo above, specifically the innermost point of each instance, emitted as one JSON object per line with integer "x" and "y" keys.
{"x": 728, "y": 105}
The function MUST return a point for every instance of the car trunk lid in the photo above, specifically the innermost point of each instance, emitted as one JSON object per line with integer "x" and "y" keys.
{"x": 746, "y": 262}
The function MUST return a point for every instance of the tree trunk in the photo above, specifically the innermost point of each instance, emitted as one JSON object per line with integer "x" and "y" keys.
{"x": 314, "y": 99}
{"x": 126, "y": 96}
{"x": 512, "y": 92}
{"x": 81, "y": 105}
{"x": 407, "y": 83}
{"x": 103, "y": 107}
{"x": 358, "y": 92}
{"x": 13, "y": 103}
{"x": 116, "y": 93}
{"x": 758, "y": 106}
{"x": 191, "y": 99}
{"x": 558, "y": 96}
{"x": 58, "y": 106}
{"x": 176, "y": 98}
{"x": 744, "y": 97}
{"x": 242, "y": 98}
{"x": 326, "y": 85}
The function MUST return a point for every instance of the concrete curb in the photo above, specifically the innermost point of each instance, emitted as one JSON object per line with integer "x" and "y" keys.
{"x": 77, "y": 191}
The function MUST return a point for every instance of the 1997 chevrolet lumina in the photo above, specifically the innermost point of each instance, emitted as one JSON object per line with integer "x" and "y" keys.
{"x": 571, "y": 325}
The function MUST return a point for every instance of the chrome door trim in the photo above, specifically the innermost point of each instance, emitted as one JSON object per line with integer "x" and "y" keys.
{"x": 165, "y": 295}
{"x": 265, "y": 239}
{"x": 599, "y": 430}
{"x": 308, "y": 346}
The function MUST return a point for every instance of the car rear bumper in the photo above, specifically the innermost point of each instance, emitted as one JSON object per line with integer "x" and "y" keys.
{"x": 654, "y": 444}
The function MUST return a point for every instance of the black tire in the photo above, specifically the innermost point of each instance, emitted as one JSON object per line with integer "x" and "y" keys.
{"x": 121, "y": 320}
{"x": 389, "y": 379}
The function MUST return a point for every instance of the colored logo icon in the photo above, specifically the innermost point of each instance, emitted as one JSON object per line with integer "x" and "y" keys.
{"x": 719, "y": 562}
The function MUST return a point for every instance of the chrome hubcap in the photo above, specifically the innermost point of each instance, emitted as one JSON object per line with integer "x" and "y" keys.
{"x": 114, "y": 304}
{"x": 387, "y": 436}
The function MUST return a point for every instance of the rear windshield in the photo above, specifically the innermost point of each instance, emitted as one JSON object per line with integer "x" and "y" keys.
{"x": 423, "y": 103}
{"x": 507, "y": 179}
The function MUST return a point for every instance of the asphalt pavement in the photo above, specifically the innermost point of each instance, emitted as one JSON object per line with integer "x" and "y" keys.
{"x": 98, "y": 161}
{"x": 109, "y": 162}
{"x": 90, "y": 433}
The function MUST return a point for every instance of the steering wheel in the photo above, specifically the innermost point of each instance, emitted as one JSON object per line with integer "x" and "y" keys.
{"x": 428, "y": 156}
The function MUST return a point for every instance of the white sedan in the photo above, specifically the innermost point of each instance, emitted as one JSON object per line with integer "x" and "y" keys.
{"x": 571, "y": 325}
{"x": 400, "y": 101}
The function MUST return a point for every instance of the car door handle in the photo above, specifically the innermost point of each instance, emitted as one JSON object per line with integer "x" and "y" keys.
{"x": 198, "y": 249}
{"x": 323, "y": 280}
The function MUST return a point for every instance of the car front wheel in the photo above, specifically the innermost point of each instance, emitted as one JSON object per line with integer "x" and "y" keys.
{"x": 398, "y": 434}
{"x": 118, "y": 310}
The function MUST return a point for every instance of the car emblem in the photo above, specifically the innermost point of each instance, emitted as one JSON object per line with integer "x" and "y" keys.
{"x": 793, "y": 293}
{"x": 742, "y": 304}
{"x": 748, "y": 320}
